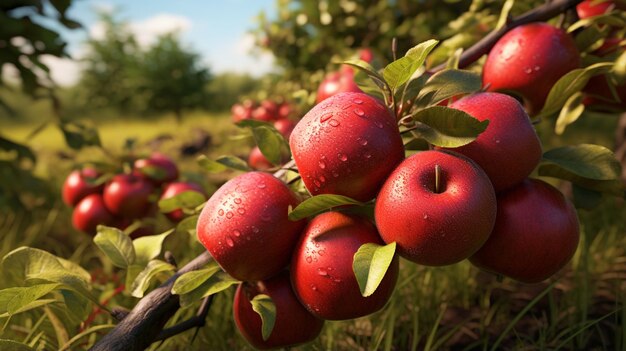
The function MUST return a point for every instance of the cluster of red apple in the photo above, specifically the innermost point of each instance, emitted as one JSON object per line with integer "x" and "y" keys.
{"x": 342, "y": 81}
{"x": 125, "y": 197}
{"x": 439, "y": 207}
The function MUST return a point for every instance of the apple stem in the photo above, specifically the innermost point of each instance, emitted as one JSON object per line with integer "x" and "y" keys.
{"x": 394, "y": 47}
{"x": 437, "y": 178}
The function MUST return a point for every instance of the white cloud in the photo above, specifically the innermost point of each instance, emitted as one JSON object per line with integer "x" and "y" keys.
{"x": 148, "y": 30}
{"x": 243, "y": 57}
{"x": 64, "y": 71}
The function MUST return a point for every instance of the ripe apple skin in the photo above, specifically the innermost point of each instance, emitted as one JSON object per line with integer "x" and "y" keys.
{"x": 321, "y": 268}
{"x": 535, "y": 235}
{"x": 172, "y": 189}
{"x": 128, "y": 195}
{"x": 244, "y": 226}
{"x": 528, "y": 60}
{"x": 590, "y": 8}
{"x": 239, "y": 112}
{"x": 257, "y": 160}
{"x": 90, "y": 212}
{"x": 77, "y": 186}
{"x": 347, "y": 145}
{"x": 285, "y": 127}
{"x": 335, "y": 83}
{"x": 262, "y": 114}
{"x": 294, "y": 324}
{"x": 509, "y": 149}
{"x": 431, "y": 228}
{"x": 162, "y": 163}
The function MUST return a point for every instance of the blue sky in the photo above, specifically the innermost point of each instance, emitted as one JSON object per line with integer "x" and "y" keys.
{"x": 215, "y": 29}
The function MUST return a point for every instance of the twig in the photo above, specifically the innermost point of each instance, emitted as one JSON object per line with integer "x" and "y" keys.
{"x": 199, "y": 320}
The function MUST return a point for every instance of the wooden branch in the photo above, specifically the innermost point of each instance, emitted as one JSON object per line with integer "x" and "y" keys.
{"x": 144, "y": 324}
{"x": 540, "y": 14}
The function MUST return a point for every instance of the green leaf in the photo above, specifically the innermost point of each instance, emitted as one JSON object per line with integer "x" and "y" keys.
{"x": 570, "y": 112}
{"x": 320, "y": 203}
{"x": 132, "y": 272}
{"x": 447, "y": 127}
{"x": 77, "y": 306}
{"x": 449, "y": 83}
{"x": 366, "y": 68}
{"x": 222, "y": 163}
{"x": 271, "y": 143}
{"x": 265, "y": 307}
{"x": 149, "y": 247}
{"x": 78, "y": 135}
{"x": 568, "y": 85}
{"x": 504, "y": 13}
{"x": 154, "y": 172}
{"x": 186, "y": 199}
{"x": 13, "y": 300}
{"x": 215, "y": 283}
{"x": 585, "y": 160}
{"x": 370, "y": 265}
{"x": 188, "y": 224}
{"x": 253, "y": 123}
{"x": 24, "y": 262}
{"x": 12, "y": 345}
{"x": 400, "y": 71}
{"x": 142, "y": 282}
{"x": 585, "y": 198}
{"x": 22, "y": 151}
{"x": 116, "y": 245}
{"x": 192, "y": 280}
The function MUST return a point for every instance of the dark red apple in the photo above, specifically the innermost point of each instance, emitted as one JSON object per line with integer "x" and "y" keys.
{"x": 244, "y": 226}
{"x": 536, "y": 233}
{"x": 79, "y": 183}
{"x": 271, "y": 107}
{"x": 509, "y": 149}
{"x": 175, "y": 188}
{"x": 90, "y": 212}
{"x": 366, "y": 55}
{"x": 158, "y": 168}
{"x": 128, "y": 196}
{"x": 436, "y": 222}
{"x": 335, "y": 83}
{"x": 285, "y": 127}
{"x": 591, "y": 8}
{"x": 528, "y": 60}
{"x": 257, "y": 160}
{"x": 321, "y": 268}
{"x": 599, "y": 97}
{"x": 293, "y": 325}
{"x": 347, "y": 145}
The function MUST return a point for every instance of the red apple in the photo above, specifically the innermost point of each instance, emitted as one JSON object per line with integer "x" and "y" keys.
{"x": 591, "y": 8}
{"x": 285, "y": 127}
{"x": 598, "y": 95}
{"x": 335, "y": 83}
{"x": 535, "y": 235}
{"x": 347, "y": 145}
{"x": 240, "y": 112}
{"x": 271, "y": 107}
{"x": 262, "y": 114}
{"x": 78, "y": 184}
{"x": 366, "y": 55}
{"x": 285, "y": 111}
{"x": 90, "y": 212}
{"x": 321, "y": 268}
{"x": 158, "y": 168}
{"x": 528, "y": 60}
{"x": 293, "y": 325}
{"x": 175, "y": 188}
{"x": 432, "y": 225}
{"x": 128, "y": 196}
{"x": 257, "y": 160}
{"x": 509, "y": 149}
{"x": 244, "y": 226}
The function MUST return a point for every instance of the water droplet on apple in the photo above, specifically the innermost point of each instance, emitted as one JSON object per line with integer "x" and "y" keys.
{"x": 528, "y": 70}
{"x": 358, "y": 101}
{"x": 230, "y": 242}
{"x": 378, "y": 124}
{"x": 322, "y": 179}
{"x": 317, "y": 183}
{"x": 334, "y": 123}
{"x": 361, "y": 141}
{"x": 337, "y": 280}
{"x": 229, "y": 215}
{"x": 325, "y": 117}
{"x": 322, "y": 164}
{"x": 368, "y": 155}
{"x": 537, "y": 68}
{"x": 342, "y": 157}
{"x": 322, "y": 272}
{"x": 255, "y": 230}
{"x": 321, "y": 252}
{"x": 261, "y": 185}
{"x": 425, "y": 216}
{"x": 237, "y": 233}
{"x": 241, "y": 210}
{"x": 220, "y": 212}
{"x": 313, "y": 287}
{"x": 335, "y": 174}
{"x": 237, "y": 200}
{"x": 359, "y": 112}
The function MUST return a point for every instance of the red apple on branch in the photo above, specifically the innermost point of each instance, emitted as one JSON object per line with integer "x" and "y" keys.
{"x": 79, "y": 184}
{"x": 128, "y": 195}
{"x": 158, "y": 168}
{"x": 90, "y": 212}
{"x": 175, "y": 188}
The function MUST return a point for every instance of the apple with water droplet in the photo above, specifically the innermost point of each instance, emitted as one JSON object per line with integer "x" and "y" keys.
{"x": 293, "y": 325}
{"x": 244, "y": 226}
{"x": 79, "y": 184}
{"x": 322, "y": 273}
{"x": 91, "y": 212}
{"x": 535, "y": 235}
{"x": 347, "y": 145}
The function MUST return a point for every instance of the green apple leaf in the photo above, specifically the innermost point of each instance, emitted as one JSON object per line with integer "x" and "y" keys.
{"x": 271, "y": 143}
{"x": 400, "y": 71}
{"x": 154, "y": 172}
{"x": 253, "y": 123}
{"x": 186, "y": 199}
{"x": 15, "y": 300}
{"x": 570, "y": 112}
{"x": 320, "y": 203}
{"x": 590, "y": 38}
{"x": 12, "y": 345}
{"x": 116, "y": 245}
{"x": 571, "y": 83}
{"x": 192, "y": 280}
{"x": 370, "y": 264}
{"x": 78, "y": 135}
{"x": 366, "y": 68}
{"x": 149, "y": 247}
{"x": 449, "y": 83}
{"x": 142, "y": 282}
{"x": 188, "y": 225}
{"x": 78, "y": 306}
{"x": 447, "y": 127}
{"x": 585, "y": 198}
{"x": 222, "y": 163}
{"x": 416, "y": 144}
{"x": 216, "y": 283}
{"x": 265, "y": 307}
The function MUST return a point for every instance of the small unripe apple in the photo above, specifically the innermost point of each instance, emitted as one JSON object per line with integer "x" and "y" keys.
{"x": 335, "y": 83}
{"x": 257, "y": 160}
{"x": 536, "y": 233}
{"x": 158, "y": 168}
{"x": 293, "y": 325}
{"x": 175, "y": 188}
{"x": 529, "y": 60}
{"x": 90, "y": 212}
{"x": 78, "y": 184}
{"x": 347, "y": 145}
{"x": 128, "y": 195}
{"x": 285, "y": 127}
{"x": 322, "y": 273}
{"x": 509, "y": 149}
{"x": 438, "y": 206}
{"x": 244, "y": 226}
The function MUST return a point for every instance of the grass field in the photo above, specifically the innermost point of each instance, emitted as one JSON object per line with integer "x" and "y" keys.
{"x": 456, "y": 307}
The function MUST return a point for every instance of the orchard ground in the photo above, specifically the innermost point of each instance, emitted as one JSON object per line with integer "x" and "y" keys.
{"x": 450, "y": 307}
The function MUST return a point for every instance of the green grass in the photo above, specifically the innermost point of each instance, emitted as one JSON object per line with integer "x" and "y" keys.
{"x": 456, "y": 307}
